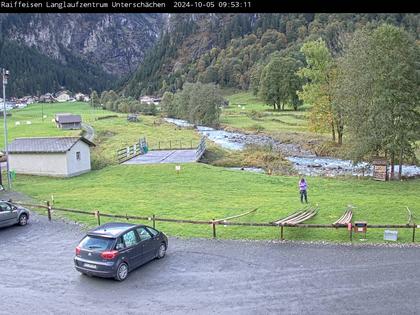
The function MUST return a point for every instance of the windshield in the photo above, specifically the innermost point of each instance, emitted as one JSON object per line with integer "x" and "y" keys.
{"x": 97, "y": 243}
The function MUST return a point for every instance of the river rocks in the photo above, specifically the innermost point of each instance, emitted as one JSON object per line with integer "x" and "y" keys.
{"x": 304, "y": 162}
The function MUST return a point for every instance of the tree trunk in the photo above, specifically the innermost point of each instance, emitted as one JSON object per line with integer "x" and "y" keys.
{"x": 391, "y": 175}
{"x": 400, "y": 164}
{"x": 333, "y": 130}
{"x": 340, "y": 137}
{"x": 340, "y": 130}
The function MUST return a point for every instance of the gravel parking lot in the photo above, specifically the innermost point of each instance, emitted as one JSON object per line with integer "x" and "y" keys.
{"x": 207, "y": 276}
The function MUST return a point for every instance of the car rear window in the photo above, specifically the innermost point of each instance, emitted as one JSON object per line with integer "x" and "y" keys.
{"x": 97, "y": 243}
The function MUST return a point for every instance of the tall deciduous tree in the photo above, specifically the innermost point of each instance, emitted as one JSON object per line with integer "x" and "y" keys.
{"x": 321, "y": 74}
{"x": 279, "y": 82}
{"x": 95, "y": 102}
{"x": 167, "y": 104}
{"x": 379, "y": 84}
{"x": 198, "y": 103}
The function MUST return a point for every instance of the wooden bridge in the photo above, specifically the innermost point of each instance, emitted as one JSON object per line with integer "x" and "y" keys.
{"x": 141, "y": 154}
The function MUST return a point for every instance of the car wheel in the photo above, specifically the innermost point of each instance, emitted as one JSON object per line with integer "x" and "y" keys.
{"x": 122, "y": 272}
{"x": 23, "y": 219}
{"x": 161, "y": 251}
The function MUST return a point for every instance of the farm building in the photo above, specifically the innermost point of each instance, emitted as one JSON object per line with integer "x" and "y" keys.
{"x": 68, "y": 121}
{"x": 50, "y": 156}
{"x": 46, "y": 98}
{"x": 82, "y": 97}
{"x": 63, "y": 96}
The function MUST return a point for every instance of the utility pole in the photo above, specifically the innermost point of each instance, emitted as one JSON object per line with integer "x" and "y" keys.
{"x": 5, "y": 75}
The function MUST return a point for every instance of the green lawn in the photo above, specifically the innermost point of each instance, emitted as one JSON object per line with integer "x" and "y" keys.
{"x": 204, "y": 192}
{"x": 247, "y": 112}
{"x": 18, "y": 124}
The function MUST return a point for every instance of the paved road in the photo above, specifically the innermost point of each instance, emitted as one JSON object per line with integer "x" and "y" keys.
{"x": 89, "y": 131}
{"x": 164, "y": 156}
{"x": 207, "y": 277}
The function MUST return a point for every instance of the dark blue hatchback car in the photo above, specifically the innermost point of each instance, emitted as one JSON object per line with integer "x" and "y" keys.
{"x": 114, "y": 249}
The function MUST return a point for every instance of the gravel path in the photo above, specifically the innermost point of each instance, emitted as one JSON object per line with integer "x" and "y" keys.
{"x": 89, "y": 131}
{"x": 207, "y": 277}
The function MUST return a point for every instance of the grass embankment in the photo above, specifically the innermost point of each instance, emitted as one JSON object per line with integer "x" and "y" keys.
{"x": 247, "y": 112}
{"x": 204, "y": 192}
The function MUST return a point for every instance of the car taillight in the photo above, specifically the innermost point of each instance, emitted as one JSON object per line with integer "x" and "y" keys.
{"x": 109, "y": 254}
{"x": 77, "y": 251}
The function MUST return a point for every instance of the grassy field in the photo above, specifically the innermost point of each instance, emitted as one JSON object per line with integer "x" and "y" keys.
{"x": 204, "y": 192}
{"x": 29, "y": 122}
{"x": 247, "y": 112}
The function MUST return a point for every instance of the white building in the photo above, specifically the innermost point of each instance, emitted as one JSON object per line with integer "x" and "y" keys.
{"x": 82, "y": 97}
{"x": 50, "y": 156}
{"x": 63, "y": 97}
{"x": 149, "y": 100}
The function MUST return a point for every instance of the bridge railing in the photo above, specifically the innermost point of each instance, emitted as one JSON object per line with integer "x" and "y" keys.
{"x": 200, "y": 149}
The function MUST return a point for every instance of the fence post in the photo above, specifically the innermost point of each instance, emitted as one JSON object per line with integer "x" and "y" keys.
{"x": 98, "y": 216}
{"x": 49, "y": 211}
{"x": 153, "y": 219}
{"x": 281, "y": 233}
{"x": 214, "y": 227}
{"x": 414, "y": 232}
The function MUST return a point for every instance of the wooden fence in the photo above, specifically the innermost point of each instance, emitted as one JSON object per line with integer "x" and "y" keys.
{"x": 214, "y": 222}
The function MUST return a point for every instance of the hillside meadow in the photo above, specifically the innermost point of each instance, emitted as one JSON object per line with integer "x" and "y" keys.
{"x": 110, "y": 134}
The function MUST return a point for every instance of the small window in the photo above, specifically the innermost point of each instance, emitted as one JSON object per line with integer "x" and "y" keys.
{"x": 130, "y": 239}
{"x": 97, "y": 243}
{"x": 77, "y": 155}
{"x": 152, "y": 231}
{"x": 120, "y": 244}
{"x": 5, "y": 207}
{"x": 143, "y": 234}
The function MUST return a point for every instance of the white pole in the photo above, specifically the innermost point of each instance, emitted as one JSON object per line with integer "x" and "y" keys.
{"x": 9, "y": 180}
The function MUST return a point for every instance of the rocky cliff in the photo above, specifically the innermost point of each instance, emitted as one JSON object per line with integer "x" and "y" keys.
{"x": 116, "y": 43}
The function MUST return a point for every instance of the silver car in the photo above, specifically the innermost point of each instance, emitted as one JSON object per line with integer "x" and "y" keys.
{"x": 11, "y": 214}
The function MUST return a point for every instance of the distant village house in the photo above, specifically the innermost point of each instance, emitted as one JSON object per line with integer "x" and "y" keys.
{"x": 150, "y": 100}
{"x": 82, "y": 97}
{"x": 50, "y": 156}
{"x": 46, "y": 98}
{"x": 63, "y": 96}
{"x": 68, "y": 121}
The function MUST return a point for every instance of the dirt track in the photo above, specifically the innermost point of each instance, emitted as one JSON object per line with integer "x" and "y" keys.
{"x": 206, "y": 276}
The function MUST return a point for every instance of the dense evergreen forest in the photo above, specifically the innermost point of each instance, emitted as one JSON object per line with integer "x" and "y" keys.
{"x": 33, "y": 73}
{"x": 232, "y": 49}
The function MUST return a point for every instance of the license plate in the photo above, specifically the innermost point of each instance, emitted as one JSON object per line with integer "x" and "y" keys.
{"x": 90, "y": 266}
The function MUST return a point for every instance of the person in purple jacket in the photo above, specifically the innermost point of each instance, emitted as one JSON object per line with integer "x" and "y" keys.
{"x": 302, "y": 187}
